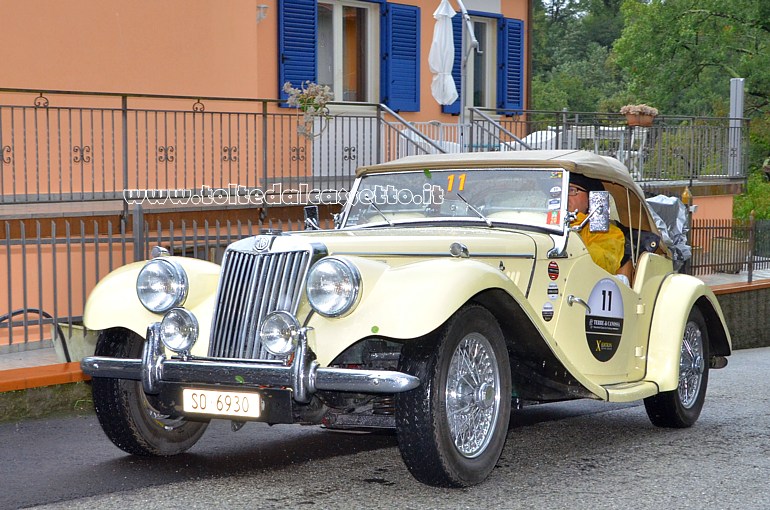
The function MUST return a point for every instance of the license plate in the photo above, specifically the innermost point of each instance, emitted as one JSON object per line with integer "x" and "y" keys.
{"x": 221, "y": 403}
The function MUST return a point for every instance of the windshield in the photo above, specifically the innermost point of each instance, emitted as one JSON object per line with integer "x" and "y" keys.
{"x": 492, "y": 196}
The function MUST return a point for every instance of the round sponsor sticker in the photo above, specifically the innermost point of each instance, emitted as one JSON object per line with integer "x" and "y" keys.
{"x": 553, "y": 270}
{"x": 547, "y": 312}
{"x": 604, "y": 325}
{"x": 553, "y": 291}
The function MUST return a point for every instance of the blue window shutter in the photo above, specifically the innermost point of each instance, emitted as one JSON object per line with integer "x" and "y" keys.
{"x": 457, "y": 35}
{"x": 510, "y": 64}
{"x": 400, "y": 72}
{"x": 297, "y": 36}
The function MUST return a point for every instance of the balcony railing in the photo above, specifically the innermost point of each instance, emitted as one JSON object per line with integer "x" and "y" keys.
{"x": 671, "y": 149}
{"x": 73, "y": 147}
{"x": 60, "y": 147}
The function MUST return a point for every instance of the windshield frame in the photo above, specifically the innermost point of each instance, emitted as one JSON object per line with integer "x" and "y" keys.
{"x": 558, "y": 228}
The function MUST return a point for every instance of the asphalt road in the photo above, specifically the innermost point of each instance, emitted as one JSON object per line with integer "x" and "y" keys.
{"x": 572, "y": 455}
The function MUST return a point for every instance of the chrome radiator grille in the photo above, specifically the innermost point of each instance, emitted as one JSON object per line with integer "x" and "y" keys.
{"x": 251, "y": 286}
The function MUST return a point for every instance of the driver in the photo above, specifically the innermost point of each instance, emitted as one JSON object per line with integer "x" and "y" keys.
{"x": 606, "y": 248}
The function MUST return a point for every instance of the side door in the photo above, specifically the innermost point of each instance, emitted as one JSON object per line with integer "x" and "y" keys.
{"x": 599, "y": 320}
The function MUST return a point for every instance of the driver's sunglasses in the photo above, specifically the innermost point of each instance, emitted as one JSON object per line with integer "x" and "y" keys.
{"x": 574, "y": 190}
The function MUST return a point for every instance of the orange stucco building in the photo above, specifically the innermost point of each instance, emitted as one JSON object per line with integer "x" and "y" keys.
{"x": 227, "y": 49}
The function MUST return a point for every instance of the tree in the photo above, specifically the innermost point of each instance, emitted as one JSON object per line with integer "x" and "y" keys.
{"x": 681, "y": 54}
{"x": 571, "y": 54}
{"x": 580, "y": 85}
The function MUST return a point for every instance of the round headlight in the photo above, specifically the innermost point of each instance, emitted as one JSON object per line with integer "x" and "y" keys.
{"x": 333, "y": 286}
{"x": 179, "y": 330}
{"x": 161, "y": 285}
{"x": 279, "y": 333}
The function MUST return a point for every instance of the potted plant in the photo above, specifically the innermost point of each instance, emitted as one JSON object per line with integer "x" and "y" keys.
{"x": 310, "y": 99}
{"x": 639, "y": 114}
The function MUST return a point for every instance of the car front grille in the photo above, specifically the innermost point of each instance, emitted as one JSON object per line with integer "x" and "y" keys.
{"x": 252, "y": 285}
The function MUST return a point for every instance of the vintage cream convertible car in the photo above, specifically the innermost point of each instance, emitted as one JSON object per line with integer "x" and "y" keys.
{"x": 452, "y": 291}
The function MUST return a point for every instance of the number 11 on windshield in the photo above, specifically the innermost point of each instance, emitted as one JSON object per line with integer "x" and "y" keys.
{"x": 451, "y": 182}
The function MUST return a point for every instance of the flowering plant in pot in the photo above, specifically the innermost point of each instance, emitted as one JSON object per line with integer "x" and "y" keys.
{"x": 639, "y": 114}
{"x": 310, "y": 99}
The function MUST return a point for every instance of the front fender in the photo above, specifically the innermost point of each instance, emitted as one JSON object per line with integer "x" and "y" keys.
{"x": 114, "y": 303}
{"x": 408, "y": 301}
{"x": 678, "y": 294}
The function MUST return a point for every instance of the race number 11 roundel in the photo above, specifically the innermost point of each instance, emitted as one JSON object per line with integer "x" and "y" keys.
{"x": 604, "y": 323}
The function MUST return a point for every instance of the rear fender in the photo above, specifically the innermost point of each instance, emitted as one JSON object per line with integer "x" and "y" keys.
{"x": 678, "y": 294}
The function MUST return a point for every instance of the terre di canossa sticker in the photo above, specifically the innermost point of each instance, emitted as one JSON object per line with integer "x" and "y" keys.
{"x": 604, "y": 323}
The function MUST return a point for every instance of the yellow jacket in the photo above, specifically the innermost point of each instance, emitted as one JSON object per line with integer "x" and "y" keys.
{"x": 606, "y": 248}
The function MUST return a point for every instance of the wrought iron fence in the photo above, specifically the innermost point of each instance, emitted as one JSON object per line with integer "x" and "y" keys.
{"x": 671, "y": 149}
{"x": 59, "y": 147}
{"x": 730, "y": 246}
{"x": 50, "y": 266}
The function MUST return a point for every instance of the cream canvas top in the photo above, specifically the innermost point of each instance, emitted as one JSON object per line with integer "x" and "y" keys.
{"x": 615, "y": 175}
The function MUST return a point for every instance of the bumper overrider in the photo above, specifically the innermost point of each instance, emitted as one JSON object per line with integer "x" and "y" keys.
{"x": 303, "y": 376}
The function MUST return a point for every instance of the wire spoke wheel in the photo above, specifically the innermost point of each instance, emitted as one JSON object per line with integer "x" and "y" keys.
{"x": 472, "y": 395}
{"x": 692, "y": 365}
{"x": 681, "y": 407}
{"x": 452, "y": 428}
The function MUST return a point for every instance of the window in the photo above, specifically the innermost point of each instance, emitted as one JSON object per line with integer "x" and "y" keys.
{"x": 495, "y": 74}
{"x": 365, "y": 50}
{"x": 482, "y": 72}
{"x": 347, "y": 34}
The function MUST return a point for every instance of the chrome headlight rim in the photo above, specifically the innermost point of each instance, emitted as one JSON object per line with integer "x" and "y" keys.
{"x": 190, "y": 330}
{"x": 291, "y": 333}
{"x": 353, "y": 299}
{"x": 180, "y": 284}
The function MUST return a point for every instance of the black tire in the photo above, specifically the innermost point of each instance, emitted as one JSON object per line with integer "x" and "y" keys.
{"x": 681, "y": 407}
{"x": 125, "y": 412}
{"x": 432, "y": 446}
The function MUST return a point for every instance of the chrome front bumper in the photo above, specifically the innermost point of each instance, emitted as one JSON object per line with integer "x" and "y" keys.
{"x": 304, "y": 376}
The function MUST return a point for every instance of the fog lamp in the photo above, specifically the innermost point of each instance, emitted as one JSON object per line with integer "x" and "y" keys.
{"x": 179, "y": 330}
{"x": 279, "y": 333}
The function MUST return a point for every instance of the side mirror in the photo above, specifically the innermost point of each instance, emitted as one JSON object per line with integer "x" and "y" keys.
{"x": 311, "y": 217}
{"x": 599, "y": 211}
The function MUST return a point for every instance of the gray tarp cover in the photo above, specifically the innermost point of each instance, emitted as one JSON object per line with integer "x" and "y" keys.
{"x": 670, "y": 215}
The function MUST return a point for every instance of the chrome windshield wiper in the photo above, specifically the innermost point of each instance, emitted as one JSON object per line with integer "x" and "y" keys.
{"x": 374, "y": 206}
{"x": 486, "y": 220}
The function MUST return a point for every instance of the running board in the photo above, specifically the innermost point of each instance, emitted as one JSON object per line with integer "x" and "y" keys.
{"x": 629, "y": 392}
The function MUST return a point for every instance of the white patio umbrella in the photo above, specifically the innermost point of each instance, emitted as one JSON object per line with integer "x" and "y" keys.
{"x": 442, "y": 55}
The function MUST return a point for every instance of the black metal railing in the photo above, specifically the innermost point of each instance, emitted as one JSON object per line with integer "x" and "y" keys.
{"x": 66, "y": 147}
{"x": 59, "y": 146}
{"x": 670, "y": 149}
{"x": 49, "y": 270}
{"x": 730, "y": 246}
